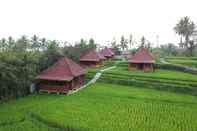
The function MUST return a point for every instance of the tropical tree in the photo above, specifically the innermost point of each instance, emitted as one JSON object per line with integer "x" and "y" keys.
{"x": 92, "y": 43}
{"x": 148, "y": 45}
{"x": 3, "y": 44}
{"x": 131, "y": 40}
{"x": 115, "y": 47}
{"x": 43, "y": 43}
{"x": 22, "y": 44}
{"x": 123, "y": 43}
{"x": 143, "y": 40}
{"x": 169, "y": 50}
{"x": 50, "y": 55}
{"x": 11, "y": 42}
{"x": 186, "y": 28}
{"x": 35, "y": 42}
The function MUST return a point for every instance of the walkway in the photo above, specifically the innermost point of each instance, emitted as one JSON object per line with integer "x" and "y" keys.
{"x": 92, "y": 81}
{"x": 162, "y": 60}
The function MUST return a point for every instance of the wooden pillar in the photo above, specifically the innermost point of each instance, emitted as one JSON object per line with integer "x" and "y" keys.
{"x": 72, "y": 84}
{"x": 83, "y": 79}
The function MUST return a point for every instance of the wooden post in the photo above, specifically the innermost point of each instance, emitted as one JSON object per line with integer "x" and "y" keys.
{"x": 72, "y": 84}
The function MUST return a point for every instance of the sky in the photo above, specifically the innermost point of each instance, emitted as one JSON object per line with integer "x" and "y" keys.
{"x": 103, "y": 20}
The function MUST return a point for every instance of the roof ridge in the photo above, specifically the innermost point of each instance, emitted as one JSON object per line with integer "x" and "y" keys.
{"x": 66, "y": 61}
{"x": 98, "y": 55}
{"x": 91, "y": 54}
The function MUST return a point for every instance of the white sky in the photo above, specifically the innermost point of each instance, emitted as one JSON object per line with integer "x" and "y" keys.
{"x": 102, "y": 20}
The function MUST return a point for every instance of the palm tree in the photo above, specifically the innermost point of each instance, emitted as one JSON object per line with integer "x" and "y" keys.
{"x": 3, "y": 44}
{"x": 22, "y": 44}
{"x": 185, "y": 28}
{"x": 123, "y": 43}
{"x": 131, "y": 40}
{"x": 143, "y": 40}
{"x": 43, "y": 43}
{"x": 11, "y": 42}
{"x": 35, "y": 42}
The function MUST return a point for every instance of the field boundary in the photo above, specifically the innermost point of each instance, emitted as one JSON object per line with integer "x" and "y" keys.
{"x": 178, "y": 67}
{"x": 37, "y": 119}
{"x": 163, "y": 61}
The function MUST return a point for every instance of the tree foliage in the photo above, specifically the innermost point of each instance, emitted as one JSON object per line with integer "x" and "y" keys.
{"x": 22, "y": 59}
{"x": 187, "y": 29}
{"x": 123, "y": 43}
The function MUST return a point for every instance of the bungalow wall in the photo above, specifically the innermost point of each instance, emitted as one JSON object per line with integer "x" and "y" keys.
{"x": 92, "y": 64}
{"x": 61, "y": 86}
{"x": 146, "y": 67}
{"x": 108, "y": 57}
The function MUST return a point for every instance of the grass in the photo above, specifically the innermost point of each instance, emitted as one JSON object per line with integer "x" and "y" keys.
{"x": 159, "y": 73}
{"x": 173, "y": 81}
{"x": 103, "y": 107}
{"x": 108, "y": 107}
{"x": 187, "y": 61}
{"x": 183, "y": 58}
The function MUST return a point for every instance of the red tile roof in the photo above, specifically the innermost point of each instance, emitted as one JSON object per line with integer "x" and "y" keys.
{"x": 129, "y": 56}
{"x": 91, "y": 55}
{"x": 111, "y": 51}
{"x": 142, "y": 56}
{"x": 107, "y": 52}
{"x": 63, "y": 70}
{"x": 102, "y": 57}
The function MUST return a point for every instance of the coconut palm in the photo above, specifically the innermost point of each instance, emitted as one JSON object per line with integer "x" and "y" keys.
{"x": 186, "y": 28}
{"x": 35, "y": 43}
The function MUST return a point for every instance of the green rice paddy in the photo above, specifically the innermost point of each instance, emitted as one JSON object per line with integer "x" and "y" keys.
{"x": 102, "y": 107}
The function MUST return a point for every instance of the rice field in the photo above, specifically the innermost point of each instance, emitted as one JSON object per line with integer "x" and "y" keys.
{"x": 102, "y": 107}
{"x": 187, "y": 61}
{"x": 158, "y": 73}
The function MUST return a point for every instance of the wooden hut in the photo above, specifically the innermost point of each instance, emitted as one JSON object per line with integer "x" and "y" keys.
{"x": 142, "y": 60}
{"x": 128, "y": 56}
{"x": 92, "y": 59}
{"x": 107, "y": 52}
{"x": 61, "y": 77}
{"x": 112, "y": 51}
{"x": 102, "y": 57}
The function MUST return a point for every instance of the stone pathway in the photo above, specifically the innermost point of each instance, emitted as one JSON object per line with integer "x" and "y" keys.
{"x": 162, "y": 60}
{"x": 92, "y": 81}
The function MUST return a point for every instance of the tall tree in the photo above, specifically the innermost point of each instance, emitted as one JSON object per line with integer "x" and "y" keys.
{"x": 3, "y": 44}
{"x": 115, "y": 47}
{"x": 143, "y": 40}
{"x": 148, "y": 45}
{"x": 123, "y": 43}
{"x": 186, "y": 28}
{"x": 35, "y": 42}
{"x": 130, "y": 40}
{"x": 43, "y": 43}
{"x": 51, "y": 54}
{"x": 22, "y": 44}
{"x": 92, "y": 43}
{"x": 11, "y": 42}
